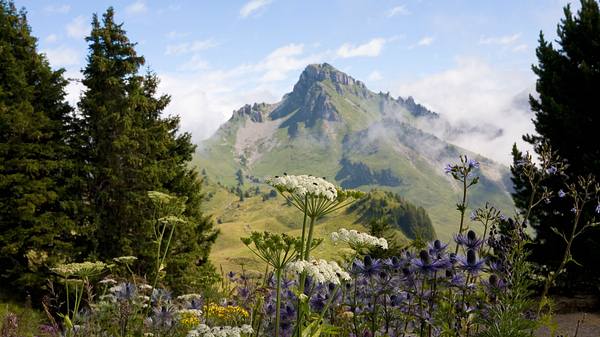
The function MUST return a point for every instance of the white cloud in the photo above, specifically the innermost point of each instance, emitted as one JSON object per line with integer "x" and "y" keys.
{"x": 500, "y": 40}
{"x": 398, "y": 10}
{"x": 137, "y": 7}
{"x": 205, "y": 97}
{"x": 253, "y": 6}
{"x": 58, "y": 9}
{"x": 371, "y": 48}
{"x": 175, "y": 34}
{"x": 51, "y": 38}
{"x": 425, "y": 41}
{"x": 78, "y": 28}
{"x": 62, "y": 56}
{"x": 520, "y": 48}
{"x": 375, "y": 76}
{"x": 190, "y": 47}
{"x": 474, "y": 92}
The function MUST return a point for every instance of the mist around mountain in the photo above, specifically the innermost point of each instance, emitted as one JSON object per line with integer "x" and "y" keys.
{"x": 332, "y": 125}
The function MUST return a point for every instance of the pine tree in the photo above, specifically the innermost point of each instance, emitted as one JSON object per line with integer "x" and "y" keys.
{"x": 567, "y": 118}
{"x": 129, "y": 148}
{"x": 37, "y": 227}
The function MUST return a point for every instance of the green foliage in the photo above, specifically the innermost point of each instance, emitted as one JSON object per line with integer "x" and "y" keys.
{"x": 37, "y": 180}
{"x": 566, "y": 118}
{"x": 412, "y": 220}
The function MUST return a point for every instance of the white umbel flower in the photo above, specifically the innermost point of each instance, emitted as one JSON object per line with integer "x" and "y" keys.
{"x": 303, "y": 185}
{"x": 357, "y": 240}
{"x": 204, "y": 330}
{"x": 321, "y": 271}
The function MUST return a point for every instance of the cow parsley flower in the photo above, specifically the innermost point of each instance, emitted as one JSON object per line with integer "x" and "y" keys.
{"x": 321, "y": 271}
{"x": 357, "y": 240}
{"x": 204, "y": 330}
{"x": 303, "y": 185}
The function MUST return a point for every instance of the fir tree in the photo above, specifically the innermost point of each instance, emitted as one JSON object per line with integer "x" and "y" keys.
{"x": 567, "y": 118}
{"x": 129, "y": 148}
{"x": 37, "y": 203}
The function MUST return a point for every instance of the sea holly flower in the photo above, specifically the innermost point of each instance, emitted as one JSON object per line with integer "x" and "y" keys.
{"x": 470, "y": 241}
{"x": 368, "y": 267}
{"x": 426, "y": 265}
{"x": 437, "y": 247}
{"x": 561, "y": 193}
{"x": 470, "y": 263}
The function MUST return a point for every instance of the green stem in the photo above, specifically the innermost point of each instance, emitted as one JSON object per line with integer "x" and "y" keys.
{"x": 309, "y": 239}
{"x": 463, "y": 209}
{"x": 278, "y": 302}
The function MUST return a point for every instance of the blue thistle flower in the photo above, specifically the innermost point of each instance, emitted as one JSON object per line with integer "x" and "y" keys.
{"x": 437, "y": 247}
{"x": 561, "y": 193}
{"x": 470, "y": 263}
{"x": 448, "y": 169}
{"x": 470, "y": 241}
{"x": 369, "y": 267}
{"x": 426, "y": 265}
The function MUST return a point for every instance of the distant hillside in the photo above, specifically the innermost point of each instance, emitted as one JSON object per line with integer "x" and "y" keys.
{"x": 331, "y": 125}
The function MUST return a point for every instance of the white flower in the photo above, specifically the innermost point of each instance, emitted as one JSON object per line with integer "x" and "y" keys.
{"x": 108, "y": 281}
{"x": 194, "y": 312}
{"x": 357, "y": 240}
{"x": 321, "y": 271}
{"x": 303, "y": 185}
{"x": 204, "y": 330}
{"x": 189, "y": 297}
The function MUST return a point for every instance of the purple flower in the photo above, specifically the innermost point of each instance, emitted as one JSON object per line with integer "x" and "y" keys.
{"x": 470, "y": 241}
{"x": 473, "y": 163}
{"x": 598, "y": 208}
{"x": 367, "y": 268}
{"x": 561, "y": 193}
{"x": 574, "y": 210}
{"x": 470, "y": 263}
{"x": 551, "y": 170}
{"x": 426, "y": 265}
{"x": 448, "y": 168}
{"x": 473, "y": 215}
{"x": 436, "y": 247}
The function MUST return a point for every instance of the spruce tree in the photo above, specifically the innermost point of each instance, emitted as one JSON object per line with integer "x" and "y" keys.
{"x": 129, "y": 148}
{"x": 567, "y": 118}
{"x": 37, "y": 183}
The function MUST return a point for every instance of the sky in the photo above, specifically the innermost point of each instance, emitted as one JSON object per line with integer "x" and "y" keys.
{"x": 470, "y": 61}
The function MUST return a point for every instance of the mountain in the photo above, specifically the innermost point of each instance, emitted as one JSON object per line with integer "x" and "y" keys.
{"x": 332, "y": 125}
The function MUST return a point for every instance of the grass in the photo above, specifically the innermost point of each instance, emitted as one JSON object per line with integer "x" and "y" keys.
{"x": 29, "y": 320}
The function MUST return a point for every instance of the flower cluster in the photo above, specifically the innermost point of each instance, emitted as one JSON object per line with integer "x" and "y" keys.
{"x": 82, "y": 269}
{"x": 303, "y": 185}
{"x": 226, "y": 313}
{"x": 204, "y": 330}
{"x": 321, "y": 271}
{"x": 189, "y": 317}
{"x": 357, "y": 240}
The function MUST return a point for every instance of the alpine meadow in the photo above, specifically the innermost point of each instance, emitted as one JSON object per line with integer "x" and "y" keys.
{"x": 261, "y": 168}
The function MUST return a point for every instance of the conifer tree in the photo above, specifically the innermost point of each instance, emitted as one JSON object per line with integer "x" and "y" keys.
{"x": 37, "y": 203}
{"x": 129, "y": 148}
{"x": 568, "y": 119}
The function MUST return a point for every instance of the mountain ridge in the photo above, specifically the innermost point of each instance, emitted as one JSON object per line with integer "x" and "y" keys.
{"x": 332, "y": 125}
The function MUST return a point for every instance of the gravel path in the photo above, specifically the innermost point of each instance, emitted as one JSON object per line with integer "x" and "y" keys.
{"x": 567, "y": 323}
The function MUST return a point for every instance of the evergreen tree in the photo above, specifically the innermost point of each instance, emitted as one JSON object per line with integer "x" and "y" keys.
{"x": 129, "y": 148}
{"x": 567, "y": 118}
{"x": 37, "y": 227}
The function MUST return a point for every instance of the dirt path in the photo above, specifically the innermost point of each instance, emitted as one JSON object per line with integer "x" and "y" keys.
{"x": 567, "y": 323}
